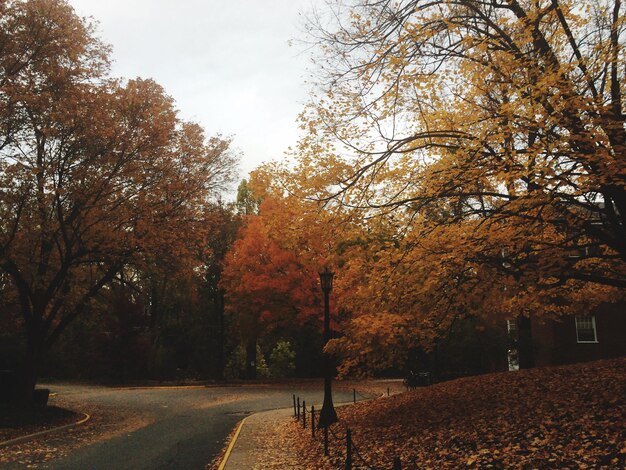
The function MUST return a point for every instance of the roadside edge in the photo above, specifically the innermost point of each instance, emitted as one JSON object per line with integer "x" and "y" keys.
{"x": 233, "y": 440}
{"x": 28, "y": 437}
{"x": 231, "y": 444}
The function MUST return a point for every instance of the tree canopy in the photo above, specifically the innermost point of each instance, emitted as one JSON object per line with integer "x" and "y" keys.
{"x": 477, "y": 151}
{"x": 98, "y": 177}
{"x": 498, "y": 116}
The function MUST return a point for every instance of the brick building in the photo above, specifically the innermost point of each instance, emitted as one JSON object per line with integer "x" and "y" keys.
{"x": 599, "y": 335}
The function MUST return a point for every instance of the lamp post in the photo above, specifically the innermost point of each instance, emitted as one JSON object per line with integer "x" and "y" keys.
{"x": 328, "y": 415}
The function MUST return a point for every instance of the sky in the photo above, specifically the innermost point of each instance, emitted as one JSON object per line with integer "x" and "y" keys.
{"x": 226, "y": 63}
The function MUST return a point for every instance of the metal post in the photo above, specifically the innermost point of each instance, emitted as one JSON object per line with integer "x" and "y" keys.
{"x": 328, "y": 415}
{"x": 354, "y": 395}
{"x": 325, "y": 440}
{"x": 387, "y": 391}
{"x": 348, "y": 449}
{"x": 312, "y": 421}
{"x": 298, "y": 409}
{"x": 304, "y": 414}
{"x": 397, "y": 465}
{"x": 294, "y": 406}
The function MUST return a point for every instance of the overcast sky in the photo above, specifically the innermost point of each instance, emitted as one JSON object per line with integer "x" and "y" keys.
{"x": 227, "y": 63}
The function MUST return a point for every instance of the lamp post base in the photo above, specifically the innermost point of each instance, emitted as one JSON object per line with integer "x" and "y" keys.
{"x": 328, "y": 416}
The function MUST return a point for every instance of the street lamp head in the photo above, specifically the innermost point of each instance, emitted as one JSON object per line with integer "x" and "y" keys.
{"x": 326, "y": 280}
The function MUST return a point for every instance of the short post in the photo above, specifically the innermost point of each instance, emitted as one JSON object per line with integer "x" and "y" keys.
{"x": 397, "y": 465}
{"x": 354, "y": 395}
{"x": 326, "y": 441}
{"x": 348, "y": 449}
{"x": 294, "y": 406}
{"x": 304, "y": 414}
{"x": 312, "y": 421}
{"x": 387, "y": 391}
{"x": 298, "y": 416}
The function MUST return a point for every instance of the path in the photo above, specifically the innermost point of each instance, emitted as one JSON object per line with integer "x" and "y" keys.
{"x": 189, "y": 425}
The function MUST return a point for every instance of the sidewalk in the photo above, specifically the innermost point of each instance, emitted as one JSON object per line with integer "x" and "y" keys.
{"x": 261, "y": 444}
{"x": 264, "y": 441}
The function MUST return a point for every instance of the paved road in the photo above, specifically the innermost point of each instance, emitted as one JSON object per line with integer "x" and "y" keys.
{"x": 190, "y": 426}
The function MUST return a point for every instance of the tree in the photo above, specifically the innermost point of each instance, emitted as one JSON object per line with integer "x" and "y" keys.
{"x": 97, "y": 177}
{"x": 225, "y": 225}
{"x": 247, "y": 202}
{"x": 271, "y": 272}
{"x": 488, "y": 139}
{"x": 282, "y": 360}
{"x": 267, "y": 287}
{"x": 509, "y": 113}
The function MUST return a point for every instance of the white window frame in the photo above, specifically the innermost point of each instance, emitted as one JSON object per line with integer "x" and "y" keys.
{"x": 511, "y": 327}
{"x": 586, "y": 318}
{"x": 512, "y": 356}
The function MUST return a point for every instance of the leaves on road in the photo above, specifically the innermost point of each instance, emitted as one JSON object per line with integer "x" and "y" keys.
{"x": 16, "y": 422}
{"x": 105, "y": 423}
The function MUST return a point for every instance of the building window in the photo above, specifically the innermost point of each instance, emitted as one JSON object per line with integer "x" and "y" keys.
{"x": 511, "y": 328}
{"x": 586, "y": 329}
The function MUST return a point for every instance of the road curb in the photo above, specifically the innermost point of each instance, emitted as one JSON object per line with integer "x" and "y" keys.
{"x": 28, "y": 437}
{"x": 231, "y": 444}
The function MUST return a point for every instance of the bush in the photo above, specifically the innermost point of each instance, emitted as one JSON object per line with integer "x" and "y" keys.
{"x": 236, "y": 364}
{"x": 282, "y": 360}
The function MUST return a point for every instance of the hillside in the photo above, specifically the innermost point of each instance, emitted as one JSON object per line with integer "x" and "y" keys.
{"x": 558, "y": 417}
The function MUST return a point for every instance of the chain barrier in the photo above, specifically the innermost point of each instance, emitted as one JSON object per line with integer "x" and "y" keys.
{"x": 301, "y": 411}
{"x": 330, "y": 429}
{"x": 355, "y": 450}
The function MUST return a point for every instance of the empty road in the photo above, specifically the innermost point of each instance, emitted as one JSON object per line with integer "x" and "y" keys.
{"x": 188, "y": 425}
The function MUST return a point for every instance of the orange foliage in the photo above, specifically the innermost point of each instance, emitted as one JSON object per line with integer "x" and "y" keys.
{"x": 267, "y": 286}
{"x": 469, "y": 159}
{"x": 98, "y": 176}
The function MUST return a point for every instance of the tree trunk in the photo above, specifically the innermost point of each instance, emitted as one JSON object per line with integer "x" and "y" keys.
{"x": 222, "y": 331}
{"x": 251, "y": 359}
{"x": 23, "y": 381}
{"x": 525, "y": 350}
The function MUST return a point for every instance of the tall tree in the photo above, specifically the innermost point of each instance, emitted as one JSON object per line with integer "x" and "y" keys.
{"x": 271, "y": 272}
{"x": 482, "y": 146}
{"x": 224, "y": 227}
{"x": 95, "y": 175}
{"x": 247, "y": 203}
{"x": 511, "y": 112}
{"x": 267, "y": 287}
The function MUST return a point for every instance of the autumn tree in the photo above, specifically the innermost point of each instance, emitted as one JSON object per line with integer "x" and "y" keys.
{"x": 509, "y": 112}
{"x": 98, "y": 177}
{"x": 489, "y": 139}
{"x": 267, "y": 287}
{"x": 271, "y": 277}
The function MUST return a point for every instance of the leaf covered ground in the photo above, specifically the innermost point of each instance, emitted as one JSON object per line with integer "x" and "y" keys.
{"x": 16, "y": 422}
{"x": 104, "y": 423}
{"x": 557, "y": 417}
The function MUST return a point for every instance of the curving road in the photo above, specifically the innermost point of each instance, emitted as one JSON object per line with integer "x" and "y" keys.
{"x": 189, "y": 424}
